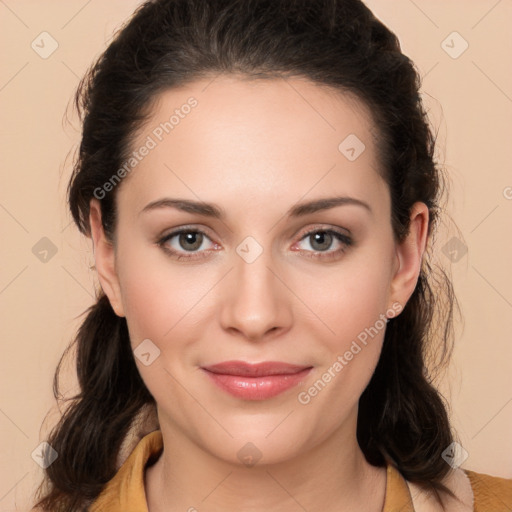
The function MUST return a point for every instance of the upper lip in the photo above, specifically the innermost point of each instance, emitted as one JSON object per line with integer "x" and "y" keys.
{"x": 244, "y": 369}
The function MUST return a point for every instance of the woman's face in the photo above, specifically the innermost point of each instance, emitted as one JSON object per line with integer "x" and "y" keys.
{"x": 269, "y": 279}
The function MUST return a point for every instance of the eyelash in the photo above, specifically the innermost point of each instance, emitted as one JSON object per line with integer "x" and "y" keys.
{"x": 344, "y": 239}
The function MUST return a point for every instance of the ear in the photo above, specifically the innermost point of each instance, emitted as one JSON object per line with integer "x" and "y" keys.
{"x": 104, "y": 256}
{"x": 409, "y": 255}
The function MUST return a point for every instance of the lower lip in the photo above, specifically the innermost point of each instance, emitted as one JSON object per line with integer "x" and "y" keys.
{"x": 257, "y": 388}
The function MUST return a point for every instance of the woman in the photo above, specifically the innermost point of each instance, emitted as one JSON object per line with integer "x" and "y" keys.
{"x": 258, "y": 181}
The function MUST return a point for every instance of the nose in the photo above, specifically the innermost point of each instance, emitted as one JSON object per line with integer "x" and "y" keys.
{"x": 256, "y": 303}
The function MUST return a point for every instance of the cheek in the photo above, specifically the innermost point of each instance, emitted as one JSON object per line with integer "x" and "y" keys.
{"x": 348, "y": 363}
{"x": 162, "y": 302}
{"x": 354, "y": 306}
{"x": 159, "y": 297}
{"x": 352, "y": 298}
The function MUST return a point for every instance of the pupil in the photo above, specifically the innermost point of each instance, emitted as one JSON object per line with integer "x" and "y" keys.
{"x": 320, "y": 237}
{"x": 188, "y": 238}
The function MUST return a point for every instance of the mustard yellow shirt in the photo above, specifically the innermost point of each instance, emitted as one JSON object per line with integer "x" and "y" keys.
{"x": 125, "y": 491}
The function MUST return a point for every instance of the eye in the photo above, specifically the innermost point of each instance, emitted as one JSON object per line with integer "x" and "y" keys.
{"x": 189, "y": 243}
{"x": 185, "y": 240}
{"x": 320, "y": 240}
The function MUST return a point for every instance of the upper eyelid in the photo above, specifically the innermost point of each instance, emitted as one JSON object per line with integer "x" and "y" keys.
{"x": 303, "y": 233}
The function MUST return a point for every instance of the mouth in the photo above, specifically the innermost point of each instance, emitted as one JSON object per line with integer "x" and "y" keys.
{"x": 259, "y": 381}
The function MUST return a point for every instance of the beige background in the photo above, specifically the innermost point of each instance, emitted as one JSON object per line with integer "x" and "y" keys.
{"x": 470, "y": 101}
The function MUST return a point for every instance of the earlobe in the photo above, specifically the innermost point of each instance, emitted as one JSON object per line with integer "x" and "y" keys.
{"x": 409, "y": 255}
{"x": 104, "y": 256}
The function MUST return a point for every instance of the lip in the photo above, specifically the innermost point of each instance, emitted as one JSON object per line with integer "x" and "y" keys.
{"x": 259, "y": 381}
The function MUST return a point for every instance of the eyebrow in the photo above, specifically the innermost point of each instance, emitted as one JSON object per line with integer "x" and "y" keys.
{"x": 215, "y": 211}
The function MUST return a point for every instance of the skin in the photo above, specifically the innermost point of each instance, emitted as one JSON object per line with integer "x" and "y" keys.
{"x": 256, "y": 149}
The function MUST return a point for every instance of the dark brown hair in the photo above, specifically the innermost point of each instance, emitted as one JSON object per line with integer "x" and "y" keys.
{"x": 339, "y": 43}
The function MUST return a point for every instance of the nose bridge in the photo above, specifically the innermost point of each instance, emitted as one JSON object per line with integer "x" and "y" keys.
{"x": 257, "y": 300}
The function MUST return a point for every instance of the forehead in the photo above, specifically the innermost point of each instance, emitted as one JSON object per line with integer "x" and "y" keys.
{"x": 228, "y": 137}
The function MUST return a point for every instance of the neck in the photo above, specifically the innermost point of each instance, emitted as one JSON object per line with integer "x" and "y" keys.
{"x": 332, "y": 476}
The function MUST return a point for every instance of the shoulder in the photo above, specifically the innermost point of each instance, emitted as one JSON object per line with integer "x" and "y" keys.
{"x": 475, "y": 492}
{"x": 490, "y": 492}
{"x": 126, "y": 490}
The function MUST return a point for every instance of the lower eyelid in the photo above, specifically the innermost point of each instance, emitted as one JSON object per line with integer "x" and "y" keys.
{"x": 344, "y": 239}
{"x": 163, "y": 240}
{"x": 340, "y": 237}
